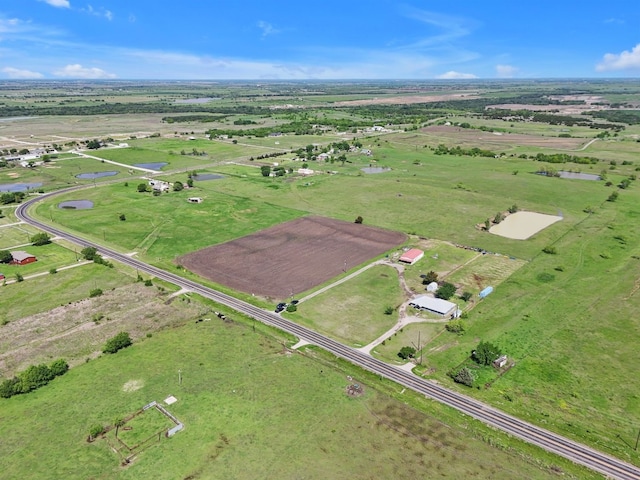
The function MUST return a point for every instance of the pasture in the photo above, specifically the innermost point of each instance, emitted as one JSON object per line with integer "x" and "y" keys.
{"x": 250, "y": 411}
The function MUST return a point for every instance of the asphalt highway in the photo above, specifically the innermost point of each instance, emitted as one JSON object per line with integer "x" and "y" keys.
{"x": 607, "y": 465}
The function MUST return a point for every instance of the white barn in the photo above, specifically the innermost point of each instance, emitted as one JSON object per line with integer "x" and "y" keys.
{"x": 435, "y": 305}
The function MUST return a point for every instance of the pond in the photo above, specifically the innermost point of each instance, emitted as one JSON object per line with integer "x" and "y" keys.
{"x": 76, "y": 204}
{"x": 151, "y": 165}
{"x": 92, "y": 175}
{"x": 579, "y": 176}
{"x": 19, "y": 187}
{"x": 206, "y": 176}
{"x": 375, "y": 169}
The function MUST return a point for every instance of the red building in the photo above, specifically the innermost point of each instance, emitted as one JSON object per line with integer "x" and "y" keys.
{"x": 22, "y": 258}
{"x": 412, "y": 256}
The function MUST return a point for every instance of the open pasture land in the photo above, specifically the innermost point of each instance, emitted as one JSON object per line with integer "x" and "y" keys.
{"x": 14, "y": 235}
{"x": 411, "y": 335}
{"x": 497, "y": 141}
{"x": 353, "y": 312}
{"x": 292, "y": 257}
{"x": 250, "y": 411}
{"x": 48, "y": 256}
{"x": 78, "y": 329}
{"x": 163, "y": 227}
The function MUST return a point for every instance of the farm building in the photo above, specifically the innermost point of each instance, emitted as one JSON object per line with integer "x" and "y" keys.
{"x": 22, "y": 258}
{"x": 435, "y": 305}
{"x": 194, "y": 200}
{"x": 305, "y": 171}
{"x": 412, "y": 256}
{"x": 500, "y": 361}
{"x": 159, "y": 185}
{"x": 485, "y": 292}
{"x": 432, "y": 287}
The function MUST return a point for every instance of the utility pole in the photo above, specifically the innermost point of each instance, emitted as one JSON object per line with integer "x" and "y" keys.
{"x": 180, "y": 377}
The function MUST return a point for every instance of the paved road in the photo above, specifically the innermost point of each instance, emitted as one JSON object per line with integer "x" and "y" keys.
{"x": 576, "y": 452}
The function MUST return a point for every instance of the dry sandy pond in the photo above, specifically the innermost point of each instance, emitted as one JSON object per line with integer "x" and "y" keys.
{"x": 522, "y": 225}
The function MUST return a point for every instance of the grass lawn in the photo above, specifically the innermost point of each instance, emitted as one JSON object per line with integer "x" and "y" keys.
{"x": 249, "y": 411}
{"x": 48, "y": 257}
{"x": 16, "y": 235}
{"x": 411, "y": 335}
{"x": 354, "y": 312}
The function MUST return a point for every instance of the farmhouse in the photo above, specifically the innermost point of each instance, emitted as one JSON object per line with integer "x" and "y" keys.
{"x": 159, "y": 185}
{"x": 412, "y": 256}
{"x": 435, "y": 305}
{"x": 22, "y": 258}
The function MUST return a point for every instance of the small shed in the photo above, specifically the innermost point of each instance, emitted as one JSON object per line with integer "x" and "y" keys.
{"x": 500, "y": 361}
{"x": 22, "y": 258}
{"x": 432, "y": 287}
{"x": 412, "y": 256}
{"x": 485, "y": 292}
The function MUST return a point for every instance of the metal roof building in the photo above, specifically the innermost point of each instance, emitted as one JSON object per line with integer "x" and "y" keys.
{"x": 412, "y": 256}
{"x": 435, "y": 305}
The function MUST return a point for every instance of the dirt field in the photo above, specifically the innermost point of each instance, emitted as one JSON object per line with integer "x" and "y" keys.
{"x": 79, "y": 330}
{"x": 409, "y": 99}
{"x": 292, "y": 257}
{"x": 500, "y": 140}
{"x": 522, "y": 225}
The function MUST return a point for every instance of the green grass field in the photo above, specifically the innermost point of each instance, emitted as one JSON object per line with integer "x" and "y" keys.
{"x": 249, "y": 411}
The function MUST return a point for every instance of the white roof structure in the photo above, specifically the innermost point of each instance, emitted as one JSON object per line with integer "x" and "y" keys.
{"x": 432, "y": 287}
{"x": 436, "y": 305}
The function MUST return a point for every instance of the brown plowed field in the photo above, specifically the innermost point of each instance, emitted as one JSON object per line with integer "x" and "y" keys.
{"x": 291, "y": 257}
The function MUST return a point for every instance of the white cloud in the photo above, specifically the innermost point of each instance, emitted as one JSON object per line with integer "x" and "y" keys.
{"x": 267, "y": 29}
{"x": 58, "y": 3}
{"x": 451, "y": 75}
{"x": 101, "y": 12}
{"x": 627, "y": 60}
{"x": 78, "y": 71}
{"x": 506, "y": 71}
{"x": 21, "y": 74}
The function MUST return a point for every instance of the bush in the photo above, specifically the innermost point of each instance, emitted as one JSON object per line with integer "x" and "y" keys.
{"x": 89, "y": 253}
{"x": 32, "y": 378}
{"x": 613, "y": 197}
{"x": 446, "y": 291}
{"x": 358, "y": 219}
{"x": 456, "y": 326}
{"x": 466, "y": 296}
{"x": 291, "y": 308}
{"x": 96, "y": 292}
{"x": 19, "y": 277}
{"x": 120, "y": 341}
{"x": 96, "y": 430}
{"x": 406, "y": 352}
{"x": 40, "y": 239}
{"x": 59, "y": 367}
{"x": 485, "y": 353}
{"x": 465, "y": 377}
{"x": 550, "y": 250}
{"x": 388, "y": 310}
{"x": 148, "y": 283}
{"x": 53, "y": 271}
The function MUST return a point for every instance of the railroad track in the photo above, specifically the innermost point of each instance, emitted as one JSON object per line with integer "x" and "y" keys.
{"x": 581, "y": 454}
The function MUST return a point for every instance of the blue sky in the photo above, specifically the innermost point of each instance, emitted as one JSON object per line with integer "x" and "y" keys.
{"x": 326, "y": 39}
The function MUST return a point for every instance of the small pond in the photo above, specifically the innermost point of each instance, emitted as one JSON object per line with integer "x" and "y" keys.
{"x": 206, "y": 176}
{"x": 92, "y": 175}
{"x": 76, "y": 204}
{"x": 151, "y": 165}
{"x": 19, "y": 187}
{"x": 375, "y": 169}
{"x": 579, "y": 176}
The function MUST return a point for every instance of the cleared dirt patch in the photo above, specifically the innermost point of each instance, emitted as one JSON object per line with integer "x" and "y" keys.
{"x": 522, "y": 225}
{"x": 500, "y": 140}
{"x": 291, "y": 257}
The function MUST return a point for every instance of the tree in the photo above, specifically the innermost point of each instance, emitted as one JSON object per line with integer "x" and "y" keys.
{"x": 485, "y": 353}
{"x": 35, "y": 377}
{"x": 96, "y": 292}
{"x": 5, "y": 256}
{"x": 292, "y": 308}
{"x": 19, "y": 277}
{"x": 466, "y": 296}
{"x": 265, "y": 170}
{"x": 120, "y": 341}
{"x": 59, "y": 367}
{"x": 122, "y": 217}
{"x": 465, "y": 377}
{"x": 456, "y": 326}
{"x": 406, "y": 352}
{"x": 513, "y": 208}
{"x": 142, "y": 187}
{"x": 190, "y": 182}
{"x": 40, "y": 239}
{"x": 358, "y": 219}
{"x": 498, "y": 218}
{"x": 430, "y": 278}
{"x": 178, "y": 186}
{"x": 446, "y": 290}
{"x": 93, "y": 144}
{"x": 388, "y": 310}
{"x": 89, "y": 253}
{"x": 613, "y": 197}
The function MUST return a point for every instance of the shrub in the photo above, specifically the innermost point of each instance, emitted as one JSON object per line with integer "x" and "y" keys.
{"x": 406, "y": 352}
{"x": 388, "y": 310}
{"x": 96, "y": 430}
{"x": 96, "y": 292}
{"x": 40, "y": 239}
{"x": 148, "y": 283}
{"x": 485, "y": 353}
{"x": 120, "y": 341}
{"x": 613, "y": 197}
{"x": 464, "y": 377}
{"x": 19, "y": 277}
{"x": 466, "y": 296}
{"x": 291, "y": 308}
{"x": 551, "y": 250}
{"x": 456, "y": 326}
{"x": 358, "y": 219}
